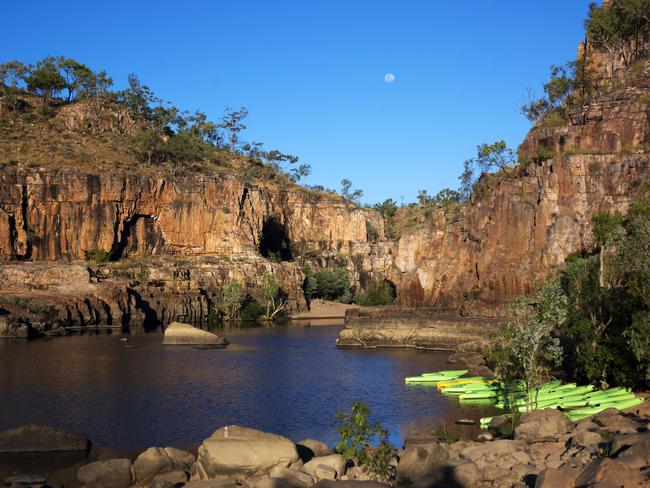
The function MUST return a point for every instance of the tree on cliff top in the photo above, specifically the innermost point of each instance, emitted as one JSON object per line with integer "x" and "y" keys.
{"x": 621, "y": 29}
{"x": 349, "y": 194}
{"x": 45, "y": 79}
{"x": 489, "y": 158}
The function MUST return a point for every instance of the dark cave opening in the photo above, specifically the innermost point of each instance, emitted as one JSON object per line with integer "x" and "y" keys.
{"x": 274, "y": 241}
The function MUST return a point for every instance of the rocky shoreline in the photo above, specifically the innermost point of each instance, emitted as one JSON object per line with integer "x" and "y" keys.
{"x": 545, "y": 450}
{"x": 422, "y": 328}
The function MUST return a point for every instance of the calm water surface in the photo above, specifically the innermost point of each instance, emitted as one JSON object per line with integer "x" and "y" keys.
{"x": 288, "y": 380}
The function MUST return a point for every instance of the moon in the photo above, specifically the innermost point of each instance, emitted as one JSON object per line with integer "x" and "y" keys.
{"x": 389, "y": 78}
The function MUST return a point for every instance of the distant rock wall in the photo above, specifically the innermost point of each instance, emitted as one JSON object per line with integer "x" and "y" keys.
{"x": 481, "y": 257}
{"x": 174, "y": 242}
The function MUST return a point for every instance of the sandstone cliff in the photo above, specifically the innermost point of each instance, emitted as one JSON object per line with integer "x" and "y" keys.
{"x": 174, "y": 241}
{"x": 477, "y": 258}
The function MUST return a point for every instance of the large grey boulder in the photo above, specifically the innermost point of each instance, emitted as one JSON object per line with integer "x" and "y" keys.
{"x": 423, "y": 464}
{"x": 325, "y": 467}
{"x": 112, "y": 473}
{"x": 167, "y": 464}
{"x": 41, "y": 438}
{"x": 609, "y": 472}
{"x": 178, "y": 333}
{"x": 542, "y": 425}
{"x": 291, "y": 478}
{"x": 239, "y": 451}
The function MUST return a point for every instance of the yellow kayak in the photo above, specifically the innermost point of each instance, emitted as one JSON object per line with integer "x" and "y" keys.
{"x": 463, "y": 381}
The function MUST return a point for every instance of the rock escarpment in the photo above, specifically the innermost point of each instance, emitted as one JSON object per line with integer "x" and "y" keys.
{"x": 169, "y": 244}
{"x": 172, "y": 242}
{"x": 478, "y": 258}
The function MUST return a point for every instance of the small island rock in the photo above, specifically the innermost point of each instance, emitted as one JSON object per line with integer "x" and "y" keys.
{"x": 186, "y": 334}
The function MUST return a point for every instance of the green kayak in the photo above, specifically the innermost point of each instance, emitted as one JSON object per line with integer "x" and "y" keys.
{"x": 448, "y": 374}
{"x": 583, "y": 413}
{"x": 425, "y": 379}
{"x": 554, "y": 394}
{"x": 613, "y": 394}
{"x": 479, "y": 395}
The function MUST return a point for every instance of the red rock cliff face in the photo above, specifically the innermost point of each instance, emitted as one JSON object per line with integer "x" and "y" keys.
{"x": 173, "y": 243}
{"x": 53, "y": 216}
{"x": 510, "y": 237}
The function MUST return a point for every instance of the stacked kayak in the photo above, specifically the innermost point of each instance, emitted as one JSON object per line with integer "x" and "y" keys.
{"x": 577, "y": 402}
{"x": 436, "y": 377}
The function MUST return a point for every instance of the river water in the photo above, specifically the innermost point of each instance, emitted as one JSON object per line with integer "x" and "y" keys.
{"x": 288, "y": 380}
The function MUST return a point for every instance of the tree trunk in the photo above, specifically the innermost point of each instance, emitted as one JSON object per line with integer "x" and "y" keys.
{"x": 601, "y": 274}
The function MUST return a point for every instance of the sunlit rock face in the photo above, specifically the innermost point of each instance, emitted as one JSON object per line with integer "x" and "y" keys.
{"x": 511, "y": 236}
{"x": 169, "y": 244}
{"x": 172, "y": 243}
{"x": 48, "y": 215}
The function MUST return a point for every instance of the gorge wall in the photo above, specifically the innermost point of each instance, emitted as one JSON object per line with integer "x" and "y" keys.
{"x": 531, "y": 219}
{"x": 174, "y": 242}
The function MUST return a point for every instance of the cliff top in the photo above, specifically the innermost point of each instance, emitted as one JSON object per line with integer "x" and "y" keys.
{"x": 117, "y": 134}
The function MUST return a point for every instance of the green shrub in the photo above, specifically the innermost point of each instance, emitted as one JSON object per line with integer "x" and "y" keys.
{"x": 328, "y": 284}
{"x": 377, "y": 294}
{"x": 143, "y": 272}
{"x": 251, "y": 310}
{"x": 544, "y": 153}
{"x": 553, "y": 119}
{"x": 357, "y": 434}
{"x": 594, "y": 167}
{"x": 96, "y": 255}
{"x": 234, "y": 295}
{"x": 214, "y": 317}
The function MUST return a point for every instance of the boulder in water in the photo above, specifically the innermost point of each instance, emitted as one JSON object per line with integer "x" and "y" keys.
{"x": 186, "y": 334}
{"x": 41, "y": 438}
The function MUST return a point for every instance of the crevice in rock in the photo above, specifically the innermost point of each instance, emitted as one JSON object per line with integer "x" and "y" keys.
{"x": 141, "y": 235}
{"x": 24, "y": 207}
{"x": 151, "y": 320}
{"x": 241, "y": 201}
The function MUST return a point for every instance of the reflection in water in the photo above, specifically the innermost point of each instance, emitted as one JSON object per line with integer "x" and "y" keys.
{"x": 287, "y": 380}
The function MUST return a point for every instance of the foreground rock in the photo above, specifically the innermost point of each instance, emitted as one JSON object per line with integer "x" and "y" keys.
{"x": 41, "y": 438}
{"x": 309, "y": 448}
{"x": 113, "y": 473}
{"x": 158, "y": 464}
{"x": 542, "y": 425}
{"x": 186, "y": 334}
{"x": 548, "y": 451}
{"x": 242, "y": 452}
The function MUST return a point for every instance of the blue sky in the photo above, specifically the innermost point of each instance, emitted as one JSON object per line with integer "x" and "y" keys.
{"x": 311, "y": 72}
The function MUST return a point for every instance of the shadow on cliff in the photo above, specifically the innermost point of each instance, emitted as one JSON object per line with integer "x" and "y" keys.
{"x": 274, "y": 241}
{"x": 151, "y": 321}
